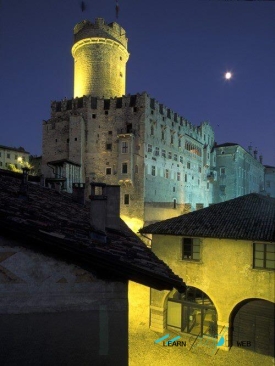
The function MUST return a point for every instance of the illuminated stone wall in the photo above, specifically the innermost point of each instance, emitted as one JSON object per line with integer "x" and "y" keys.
{"x": 238, "y": 173}
{"x": 93, "y": 132}
{"x": 224, "y": 273}
{"x": 100, "y": 55}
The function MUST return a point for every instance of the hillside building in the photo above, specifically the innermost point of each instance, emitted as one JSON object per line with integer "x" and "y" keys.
{"x": 12, "y": 155}
{"x": 270, "y": 180}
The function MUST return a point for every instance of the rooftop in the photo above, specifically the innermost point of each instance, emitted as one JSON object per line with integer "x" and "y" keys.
{"x": 51, "y": 222}
{"x": 249, "y": 217}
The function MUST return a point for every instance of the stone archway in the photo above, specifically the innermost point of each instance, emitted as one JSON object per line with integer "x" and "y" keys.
{"x": 252, "y": 323}
{"x": 192, "y": 312}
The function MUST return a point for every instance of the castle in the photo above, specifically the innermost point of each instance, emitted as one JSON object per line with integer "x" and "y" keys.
{"x": 165, "y": 165}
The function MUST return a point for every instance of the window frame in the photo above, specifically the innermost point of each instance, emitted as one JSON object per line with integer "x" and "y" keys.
{"x": 124, "y": 147}
{"x": 187, "y": 246}
{"x": 122, "y": 167}
{"x": 265, "y": 251}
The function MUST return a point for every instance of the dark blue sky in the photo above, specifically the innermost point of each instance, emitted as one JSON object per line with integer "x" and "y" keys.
{"x": 179, "y": 53}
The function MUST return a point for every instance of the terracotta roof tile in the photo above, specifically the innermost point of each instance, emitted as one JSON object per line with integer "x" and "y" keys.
{"x": 249, "y": 217}
{"x": 52, "y": 220}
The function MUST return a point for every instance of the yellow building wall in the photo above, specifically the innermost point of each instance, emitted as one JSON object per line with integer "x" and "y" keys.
{"x": 224, "y": 272}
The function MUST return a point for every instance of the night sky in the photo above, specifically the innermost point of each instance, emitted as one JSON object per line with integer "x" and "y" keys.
{"x": 180, "y": 51}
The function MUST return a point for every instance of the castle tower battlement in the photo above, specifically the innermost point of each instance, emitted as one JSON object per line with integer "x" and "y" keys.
{"x": 100, "y": 56}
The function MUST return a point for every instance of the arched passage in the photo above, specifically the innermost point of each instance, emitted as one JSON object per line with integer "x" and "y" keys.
{"x": 192, "y": 312}
{"x": 253, "y": 326}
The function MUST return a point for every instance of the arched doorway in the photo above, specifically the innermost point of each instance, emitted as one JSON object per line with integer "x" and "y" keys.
{"x": 192, "y": 312}
{"x": 253, "y": 326}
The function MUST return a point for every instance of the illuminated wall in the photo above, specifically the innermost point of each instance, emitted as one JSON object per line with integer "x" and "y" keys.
{"x": 100, "y": 55}
{"x": 227, "y": 283}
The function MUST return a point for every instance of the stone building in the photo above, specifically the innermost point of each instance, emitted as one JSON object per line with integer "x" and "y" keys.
{"x": 12, "y": 155}
{"x": 269, "y": 180}
{"x": 226, "y": 254}
{"x": 64, "y": 274}
{"x": 239, "y": 172}
{"x": 161, "y": 161}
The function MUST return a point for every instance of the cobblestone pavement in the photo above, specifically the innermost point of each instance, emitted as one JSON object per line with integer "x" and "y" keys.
{"x": 144, "y": 352}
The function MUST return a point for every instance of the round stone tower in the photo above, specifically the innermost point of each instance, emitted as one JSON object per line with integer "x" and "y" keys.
{"x": 100, "y": 55}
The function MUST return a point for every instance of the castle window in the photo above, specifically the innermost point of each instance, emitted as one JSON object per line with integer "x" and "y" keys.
{"x": 157, "y": 151}
{"x": 166, "y": 173}
{"x": 126, "y": 199}
{"x": 207, "y": 185}
{"x": 163, "y": 153}
{"x": 129, "y": 128}
{"x": 136, "y": 169}
{"x": 152, "y": 130}
{"x": 191, "y": 249}
{"x": 109, "y": 147}
{"x": 172, "y": 139}
{"x": 68, "y": 140}
{"x": 179, "y": 140}
{"x": 124, "y": 168}
{"x": 135, "y": 109}
{"x": 175, "y": 157}
{"x": 178, "y": 176}
{"x": 124, "y": 147}
{"x": 174, "y": 203}
{"x": 153, "y": 171}
{"x": 181, "y": 159}
{"x": 110, "y": 132}
{"x": 93, "y": 115}
{"x": 222, "y": 171}
{"x": 162, "y": 135}
{"x": 152, "y": 112}
{"x": 199, "y": 169}
{"x": 149, "y": 148}
{"x": 108, "y": 171}
{"x": 75, "y": 138}
{"x": 185, "y": 178}
{"x": 106, "y": 113}
{"x": 264, "y": 256}
{"x": 55, "y": 140}
{"x": 188, "y": 165}
{"x": 8, "y": 156}
{"x": 169, "y": 155}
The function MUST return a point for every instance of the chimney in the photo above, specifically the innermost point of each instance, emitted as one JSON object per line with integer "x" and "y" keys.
{"x": 105, "y": 209}
{"x": 79, "y": 193}
{"x": 24, "y": 187}
{"x": 250, "y": 149}
{"x": 261, "y": 159}
{"x": 113, "y": 206}
{"x": 255, "y": 154}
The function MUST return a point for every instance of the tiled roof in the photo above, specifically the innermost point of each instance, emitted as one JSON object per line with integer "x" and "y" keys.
{"x": 227, "y": 144}
{"x": 250, "y": 217}
{"x": 51, "y": 221}
{"x": 18, "y": 149}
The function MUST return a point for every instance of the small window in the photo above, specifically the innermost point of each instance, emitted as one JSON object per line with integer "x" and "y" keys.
{"x": 108, "y": 171}
{"x": 181, "y": 159}
{"x": 174, "y": 203}
{"x": 109, "y": 147}
{"x": 166, "y": 173}
{"x": 9, "y": 155}
{"x": 153, "y": 171}
{"x": 163, "y": 153}
{"x": 152, "y": 131}
{"x": 222, "y": 171}
{"x": 121, "y": 75}
{"x": 179, "y": 140}
{"x": 188, "y": 165}
{"x": 175, "y": 157}
{"x": 135, "y": 109}
{"x": 124, "y": 168}
{"x": 172, "y": 139}
{"x": 178, "y": 176}
{"x": 120, "y": 58}
{"x": 106, "y": 113}
{"x": 199, "y": 169}
{"x": 1, "y": 163}
{"x": 191, "y": 249}
{"x": 0, "y": 154}
{"x": 136, "y": 169}
{"x": 55, "y": 140}
{"x": 68, "y": 140}
{"x": 15, "y": 157}
{"x": 162, "y": 135}
{"x": 75, "y": 138}
{"x": 110, "y": 132}
{"x": 93, "y": 115}
{"x": 126, "y": 199}
{"x": 207, "y": 185}
{"x": 124, "y": 147}
{"x": 149, "y": 148}
{"x": 185, "y": 178}
{"x": 157, "y": 151}
{"x": 169, "y": 155}
{"x": 264, "y": 256}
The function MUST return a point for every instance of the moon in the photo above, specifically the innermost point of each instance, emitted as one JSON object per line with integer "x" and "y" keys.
{"x": 228, "y": 75}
